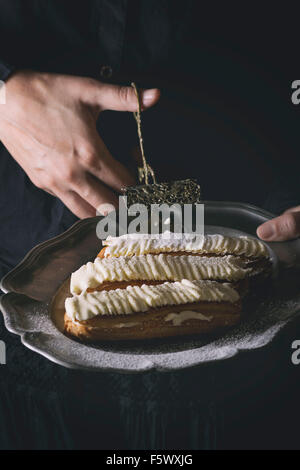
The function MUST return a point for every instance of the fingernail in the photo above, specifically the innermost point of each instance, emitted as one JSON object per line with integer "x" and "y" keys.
{"x": 266, "y": 231}
{"x": 105, "y": 208}
{"x": 149, "y": 96}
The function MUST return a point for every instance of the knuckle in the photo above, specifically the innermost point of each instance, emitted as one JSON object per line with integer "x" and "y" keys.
{"x": 88, "y": 155}
{"x": 290, "y": 223}
{"x": 124, "y": 94}
{"x": 48, "y": 181}
{"x": 86, "y": 192}
{"x": 37, "y": 182}
{"x": 68, "y": 174}
{"x": 43, "y": 182}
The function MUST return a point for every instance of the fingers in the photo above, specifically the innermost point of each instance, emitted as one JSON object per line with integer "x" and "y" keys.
{"x": 118, "y": 98}
{"x": 97, "y": 160}
{"x": 292, "y": 209}
{"x": 95, "y": 193}
{"x": 76, "y": 204}
{"x": 112, "y": 172}
{"x": 282, "y": 228}
{"x": 74, "y": 184}
{"x": 83, "y": 209}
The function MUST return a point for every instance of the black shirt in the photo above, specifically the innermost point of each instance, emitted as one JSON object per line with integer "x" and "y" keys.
{"x": 225, "y": 116}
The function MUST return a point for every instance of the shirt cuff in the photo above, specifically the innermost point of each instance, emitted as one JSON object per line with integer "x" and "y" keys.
{"x": 5, "y": 70}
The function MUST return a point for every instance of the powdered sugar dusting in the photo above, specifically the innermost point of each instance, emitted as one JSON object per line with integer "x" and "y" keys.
{"x": 256, "y": 330}
{"x": 32, "y": 319}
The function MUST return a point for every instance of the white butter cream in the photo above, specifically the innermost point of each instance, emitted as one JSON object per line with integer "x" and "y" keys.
{"x": 140, "y": 244}
{"x": 126, "y": 325}
{"x": 162, "y": 267}
{"x": 135, "y": 299}
{"x": 178, "y": 318}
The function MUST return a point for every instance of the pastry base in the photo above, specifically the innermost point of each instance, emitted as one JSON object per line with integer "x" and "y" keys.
{"x": 153, "y": 324}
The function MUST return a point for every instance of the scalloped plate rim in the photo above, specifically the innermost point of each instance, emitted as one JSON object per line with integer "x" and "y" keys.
{"x": 55, "y": 358}
{"x": 29, "y": 257}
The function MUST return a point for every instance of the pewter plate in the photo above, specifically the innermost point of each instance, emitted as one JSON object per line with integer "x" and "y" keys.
{"x": 35, "y": 291}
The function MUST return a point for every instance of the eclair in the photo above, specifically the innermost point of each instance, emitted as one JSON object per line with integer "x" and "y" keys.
{"x": 161, "y": 267}
{"x": 217, "y": 245}
{"x": 145, "y": 286}
{"x": 253, "y": 251}
{"x": 152, "y": 311}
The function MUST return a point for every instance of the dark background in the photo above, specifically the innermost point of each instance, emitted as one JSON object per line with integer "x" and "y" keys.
{"x": 226, "y": 115}
{"x": 226, "y": 118}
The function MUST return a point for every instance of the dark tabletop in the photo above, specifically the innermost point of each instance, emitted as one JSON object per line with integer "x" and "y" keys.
{"x": 245, "y": 402}
{"x": 226, "y": 118}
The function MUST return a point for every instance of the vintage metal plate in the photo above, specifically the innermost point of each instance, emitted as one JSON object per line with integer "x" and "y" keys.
{"x": 37, "y": 287}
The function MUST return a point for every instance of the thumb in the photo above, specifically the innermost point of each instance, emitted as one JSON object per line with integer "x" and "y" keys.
{"x": 120, "y": 98}
{"x": 292, "y": 209}
{"x": 282, "y": 228}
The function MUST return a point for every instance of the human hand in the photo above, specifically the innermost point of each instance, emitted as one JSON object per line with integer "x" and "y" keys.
{"x": 282, "y": 228}
{"x": 48, "y": 124}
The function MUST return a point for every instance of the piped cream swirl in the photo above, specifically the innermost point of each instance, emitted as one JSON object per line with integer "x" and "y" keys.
{"x": 160, "y": 267}
{"x": 141, "y": 244}
{"x": 135, "y": 299}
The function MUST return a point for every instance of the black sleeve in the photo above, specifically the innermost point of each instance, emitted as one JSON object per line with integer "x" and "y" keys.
{"x": 5, "y": 70}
